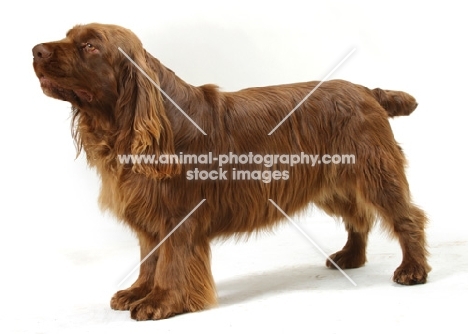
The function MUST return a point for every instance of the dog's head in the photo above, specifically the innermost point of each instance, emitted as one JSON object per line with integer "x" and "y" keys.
{"x": 102, "y": 71}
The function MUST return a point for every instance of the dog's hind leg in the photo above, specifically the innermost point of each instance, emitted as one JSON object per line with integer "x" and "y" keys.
{"x": 353, "y": 254}
{"x": 407, "y": 222}
{"x": 388, "y": 192}
{"x": 358, "y": 222}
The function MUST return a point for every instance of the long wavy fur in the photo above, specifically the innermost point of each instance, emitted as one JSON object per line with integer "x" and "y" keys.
{"x": 118, "y": 111}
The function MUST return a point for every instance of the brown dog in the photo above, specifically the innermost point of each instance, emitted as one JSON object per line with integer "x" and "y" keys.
{"x": 237, "y": 167}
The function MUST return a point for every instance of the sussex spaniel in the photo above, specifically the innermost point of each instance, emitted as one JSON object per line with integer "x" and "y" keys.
{"x": 118, "y": 111}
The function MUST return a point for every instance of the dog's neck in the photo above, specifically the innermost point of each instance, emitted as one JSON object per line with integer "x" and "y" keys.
{"x": 173, "y": 87}
{"x": 179, "y": 95}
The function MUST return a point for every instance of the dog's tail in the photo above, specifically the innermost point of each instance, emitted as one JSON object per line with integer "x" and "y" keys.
{"x": 396, "y": 103}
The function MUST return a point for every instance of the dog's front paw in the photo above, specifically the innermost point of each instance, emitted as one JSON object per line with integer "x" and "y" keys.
{"x": 154, "y": 306}
{"x": 123, "y": 298}
{"x": 411, "y": 274}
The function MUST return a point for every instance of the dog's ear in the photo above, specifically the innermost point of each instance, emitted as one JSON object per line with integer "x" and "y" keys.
{"x": 141, "y": 115}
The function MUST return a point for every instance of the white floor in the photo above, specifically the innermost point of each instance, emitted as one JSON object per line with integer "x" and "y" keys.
{"x": 273, "y": 283}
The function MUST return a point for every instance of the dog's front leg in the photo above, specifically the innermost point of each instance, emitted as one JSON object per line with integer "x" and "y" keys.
{"x": 183, "y": 280}
{"x": 144, "y": 284}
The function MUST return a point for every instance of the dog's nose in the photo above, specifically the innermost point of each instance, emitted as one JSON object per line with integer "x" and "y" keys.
{"x": 40, "y": 52}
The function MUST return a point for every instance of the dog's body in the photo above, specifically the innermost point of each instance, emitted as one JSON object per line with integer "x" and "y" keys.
{"x": 118, "y": 111}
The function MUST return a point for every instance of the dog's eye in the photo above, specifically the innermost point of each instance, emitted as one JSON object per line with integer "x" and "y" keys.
{"x": 88, "y": 47}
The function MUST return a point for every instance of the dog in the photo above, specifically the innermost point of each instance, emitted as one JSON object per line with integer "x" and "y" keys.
{"x": 242, "y": 173}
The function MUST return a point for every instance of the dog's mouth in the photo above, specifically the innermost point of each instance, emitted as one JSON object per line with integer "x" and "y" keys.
{"x": 52, "y": 89}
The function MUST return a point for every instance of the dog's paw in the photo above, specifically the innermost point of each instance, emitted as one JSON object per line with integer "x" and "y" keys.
{"x": 346, "y": 260}
{"x": 411, "y": 274}
{"x": 153, "y": 307}
{"x": 123, "y": 298}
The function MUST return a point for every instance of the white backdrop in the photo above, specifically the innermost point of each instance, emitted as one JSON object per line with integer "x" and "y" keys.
{"x": 55, "y": 242}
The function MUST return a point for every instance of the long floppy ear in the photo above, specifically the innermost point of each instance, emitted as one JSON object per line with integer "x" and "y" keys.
{"x": 142, "y": 117}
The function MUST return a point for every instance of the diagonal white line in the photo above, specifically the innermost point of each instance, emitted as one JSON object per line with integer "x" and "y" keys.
{"x": 161, "y": 242}
{"x": 162, "y": 91}
{"x": 313, "y": 242}
{"x": 313, "y": 90}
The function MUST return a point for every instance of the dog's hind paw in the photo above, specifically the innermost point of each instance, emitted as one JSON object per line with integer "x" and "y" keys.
{"x": 346, "y": 260}
{"x": 411, "y": 274}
